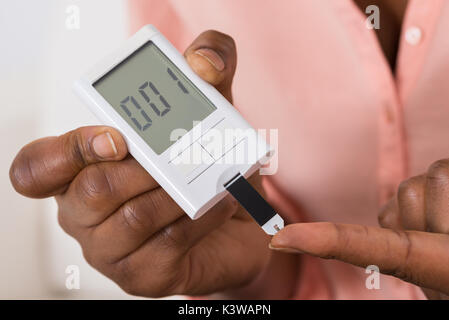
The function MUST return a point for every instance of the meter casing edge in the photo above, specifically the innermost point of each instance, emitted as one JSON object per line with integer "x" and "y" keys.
{"x": 196, "y": 196}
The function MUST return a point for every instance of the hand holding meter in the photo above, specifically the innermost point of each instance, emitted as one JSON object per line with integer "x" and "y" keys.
{"x": 177, "y": 127}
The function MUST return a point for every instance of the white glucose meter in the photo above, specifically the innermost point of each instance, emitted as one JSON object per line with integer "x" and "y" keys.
{"x": 188, "y": 137}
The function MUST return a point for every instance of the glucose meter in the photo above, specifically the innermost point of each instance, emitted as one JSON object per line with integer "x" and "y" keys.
{"x": 188, "y": 137}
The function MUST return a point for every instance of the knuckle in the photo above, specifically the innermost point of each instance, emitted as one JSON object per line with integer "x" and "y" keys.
{"x": 62, "y": 221}
{"x": 126, "y": 277}
{"x": 94, "y": 186}
{"x": 173, "y": 283}
{"x": 131, "y": 217}
{"x": 384, "y": 216}
{"x": 74, "y": 150}
{"x": 439, "y": 171}
{"x": 138, "y": 214}
{"x": 130, "y": 288}
{"x": 340, "y": 238}
{"x": 407, "y": 190}
{"x": 133, "y": 281}
{"x": 382, "y": 220}
{"x": 91, "y": 258}
{"x": 163, "y": 275}
{"x": 389, "y": 216}
{"x": 174, "y": 237}
{"x": 402, "y": 269}
{"x": 133, "y": 288}
{"x": 66, "y": 221}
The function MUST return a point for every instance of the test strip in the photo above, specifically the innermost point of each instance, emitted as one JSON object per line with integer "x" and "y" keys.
{"x": 255, "y": 204}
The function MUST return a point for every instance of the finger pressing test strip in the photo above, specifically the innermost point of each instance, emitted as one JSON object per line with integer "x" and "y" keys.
{"x": 188, "y": 137}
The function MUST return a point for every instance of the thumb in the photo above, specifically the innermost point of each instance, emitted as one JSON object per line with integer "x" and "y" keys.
{"x": 212, "y": 55}
{"x": 418, "y": 257}
{"x": 45, "y": 167}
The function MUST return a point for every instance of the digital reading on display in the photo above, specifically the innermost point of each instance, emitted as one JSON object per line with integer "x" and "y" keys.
{"x": 153, "y": 96}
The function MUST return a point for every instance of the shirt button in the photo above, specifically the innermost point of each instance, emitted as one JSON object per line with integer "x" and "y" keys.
{"x": 413, "y": 35}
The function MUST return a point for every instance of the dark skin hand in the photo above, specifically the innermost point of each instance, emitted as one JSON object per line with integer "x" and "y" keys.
{"x": 128, "y": 226}
{"x": 413, "y": 244}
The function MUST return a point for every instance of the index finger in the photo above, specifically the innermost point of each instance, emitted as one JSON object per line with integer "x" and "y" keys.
{"x": 418, "y": 257}
{"x": 44, "y": 167}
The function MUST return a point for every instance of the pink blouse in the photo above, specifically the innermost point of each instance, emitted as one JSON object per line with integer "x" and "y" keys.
{"x": 349, "y": 131}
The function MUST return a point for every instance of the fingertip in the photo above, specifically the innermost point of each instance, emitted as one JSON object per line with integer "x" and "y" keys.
{"x": 285, "y": 238}
{"x": 24, "y": 172}
{"x": 312, "y": 238}
{"x": 19, "y": 175}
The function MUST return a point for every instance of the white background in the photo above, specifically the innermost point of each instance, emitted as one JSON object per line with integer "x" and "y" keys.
{"x": 39, "y": 59}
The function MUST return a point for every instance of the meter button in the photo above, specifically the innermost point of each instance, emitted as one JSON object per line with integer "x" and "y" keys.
{"x": 192, "y": 159}
{"x": 219, "y": 139}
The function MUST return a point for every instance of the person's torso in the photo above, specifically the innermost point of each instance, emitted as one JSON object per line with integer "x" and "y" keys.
{"x": 348, "y": 131}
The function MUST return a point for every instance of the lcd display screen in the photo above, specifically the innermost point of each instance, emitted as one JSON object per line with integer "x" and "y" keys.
{"x": 153, "y": 96}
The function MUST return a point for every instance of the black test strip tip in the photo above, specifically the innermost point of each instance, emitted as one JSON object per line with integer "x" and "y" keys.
{"x": 257, "y": 207}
